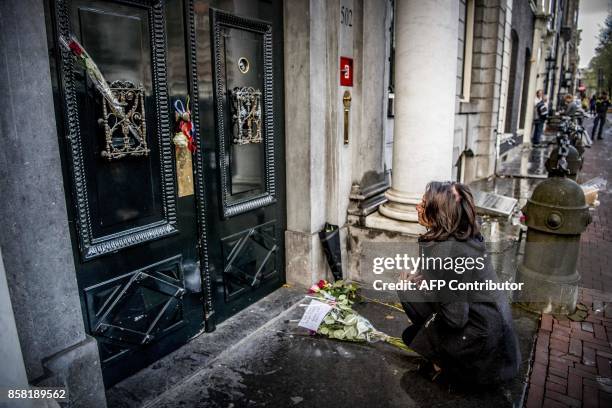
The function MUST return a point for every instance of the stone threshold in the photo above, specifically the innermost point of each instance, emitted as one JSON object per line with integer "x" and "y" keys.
{"x": 146, "y": 386}
{"x": 380, "y": 222}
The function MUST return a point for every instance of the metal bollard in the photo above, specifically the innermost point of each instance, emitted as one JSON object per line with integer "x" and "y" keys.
{"x": 556, "y": 215}
{"x": 572, "y": 158}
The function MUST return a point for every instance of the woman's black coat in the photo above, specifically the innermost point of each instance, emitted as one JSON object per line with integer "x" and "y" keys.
{"x": 470, "y": 335}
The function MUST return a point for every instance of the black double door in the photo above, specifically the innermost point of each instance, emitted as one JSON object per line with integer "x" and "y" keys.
{"x": 169, "y": 243}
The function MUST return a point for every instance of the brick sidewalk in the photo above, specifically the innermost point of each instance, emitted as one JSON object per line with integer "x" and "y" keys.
{"x": 571, "y": 367}
{"x": 595, "y": 263}
{"x": 572, "y": 362}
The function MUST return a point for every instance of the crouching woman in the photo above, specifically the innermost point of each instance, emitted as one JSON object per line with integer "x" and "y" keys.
{"x": 467, "y": 337}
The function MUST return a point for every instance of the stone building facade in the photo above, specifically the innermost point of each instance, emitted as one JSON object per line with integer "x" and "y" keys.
{"x": 521, "y": 39}
{"x": 479, "y": 94}
{"x": 559, "y": 44}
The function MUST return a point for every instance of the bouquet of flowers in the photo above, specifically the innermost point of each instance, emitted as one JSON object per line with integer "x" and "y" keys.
{"x": 344, "y": 323}
{"x": 72, "y": 45}
{"x": 328, "y": 290}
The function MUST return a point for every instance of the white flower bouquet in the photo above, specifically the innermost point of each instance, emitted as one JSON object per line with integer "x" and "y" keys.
{"x": 341, "y": 322}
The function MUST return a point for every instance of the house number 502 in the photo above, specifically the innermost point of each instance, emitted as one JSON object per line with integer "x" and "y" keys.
{"x": 346, "y": 16}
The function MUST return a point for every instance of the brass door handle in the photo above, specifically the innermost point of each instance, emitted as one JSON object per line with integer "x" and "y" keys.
{"x": 346, "y": 101}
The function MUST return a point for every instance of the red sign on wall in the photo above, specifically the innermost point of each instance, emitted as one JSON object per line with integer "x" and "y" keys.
{"x": 346, "y": 71}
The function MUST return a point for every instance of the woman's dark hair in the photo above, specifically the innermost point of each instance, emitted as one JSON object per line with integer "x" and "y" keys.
{"x": 450, "y": 212}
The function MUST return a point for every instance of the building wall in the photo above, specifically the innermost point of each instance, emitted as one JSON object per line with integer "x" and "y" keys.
{"x": 561, "y": 48}
{"x": 35, "y": 238}
{"x": 522, "y": 25}
{"x": 371, "y": 51}
{"x": 570, "y": 63}
{"x": 460, "y": 134}
{"x": 323, "y": 170}
{"x": 43, "y": 222}
{"x": 558, "y": 46}
{"x": 509, "y": 115}
{"x": 505, "y": 72}
{"x": 476, "y": 117}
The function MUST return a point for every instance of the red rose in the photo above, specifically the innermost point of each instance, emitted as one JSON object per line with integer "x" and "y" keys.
{"x": 322, "y": 283}
{"x": 191, "y": 144}
{"x": 75, "y": 48}
{"x": 186, "y": 127}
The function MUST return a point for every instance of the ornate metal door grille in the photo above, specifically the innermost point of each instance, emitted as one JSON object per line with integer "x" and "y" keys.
{"x": 250, "y": 259}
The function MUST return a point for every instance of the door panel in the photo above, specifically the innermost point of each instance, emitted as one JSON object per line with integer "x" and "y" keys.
{"x": 249, "y": 259}
{"x": 115, "y": 205}
{"x": 242, "y": 51}
{"x": 137, "y": 244}
{"x": 239, "y": 62}
{"x": 139, "y": 306}
{"x": 113, "y": 214}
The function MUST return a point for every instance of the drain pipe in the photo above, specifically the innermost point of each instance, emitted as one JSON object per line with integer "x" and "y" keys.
{"x": 496, "y": 152}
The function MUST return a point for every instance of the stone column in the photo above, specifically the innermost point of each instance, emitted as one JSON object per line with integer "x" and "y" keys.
{"x": 35, "y": 239}
{"x": 425, "y": 79}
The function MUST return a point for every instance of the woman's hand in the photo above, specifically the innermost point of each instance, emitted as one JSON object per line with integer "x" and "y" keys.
{"x": 410, "y": 277}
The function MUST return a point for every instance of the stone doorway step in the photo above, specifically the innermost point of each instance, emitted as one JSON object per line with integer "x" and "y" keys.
{"x": 144, "y": 387}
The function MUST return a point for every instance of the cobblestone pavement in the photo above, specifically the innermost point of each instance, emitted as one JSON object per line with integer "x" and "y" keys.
{"x": 572, "y": 360}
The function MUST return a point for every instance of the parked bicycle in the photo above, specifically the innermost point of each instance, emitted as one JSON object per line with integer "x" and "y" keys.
{"x": 571, "y": 126}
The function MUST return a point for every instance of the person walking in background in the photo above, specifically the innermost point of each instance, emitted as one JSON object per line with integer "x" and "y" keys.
{"x": 592, "y": 104}
{"x": 541, "y": 115}
{"x": 573, "y": 108}
{"x": 584, "y": 103}
{"x": 601, "y": 109}
{"x": 538, "y": 97}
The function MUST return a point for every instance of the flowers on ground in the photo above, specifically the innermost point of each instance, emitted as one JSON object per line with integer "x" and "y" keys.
{"x": 342, "y": 322}
{"x": 326, "y": 290}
